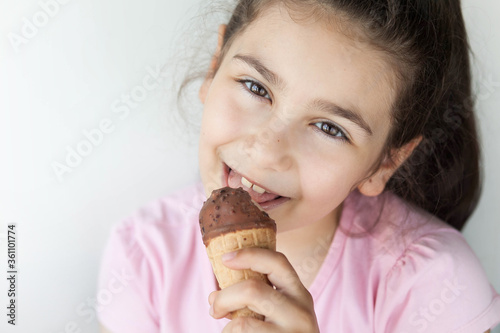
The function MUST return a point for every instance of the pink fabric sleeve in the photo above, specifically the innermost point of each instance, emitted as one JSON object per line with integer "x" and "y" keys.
{"x": 437, "y": 285}
{"x": 124, "y": 304}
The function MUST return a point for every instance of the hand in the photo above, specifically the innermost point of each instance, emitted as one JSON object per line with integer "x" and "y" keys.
{"x": 287, "y": 308}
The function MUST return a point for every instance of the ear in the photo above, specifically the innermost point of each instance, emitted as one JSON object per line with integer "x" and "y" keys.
{"x": 213, "y": 64}
{"x": 374, "y": 185}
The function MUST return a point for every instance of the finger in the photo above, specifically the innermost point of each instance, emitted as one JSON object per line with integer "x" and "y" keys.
{"x": 258, "y": 297}
{"x": 249, "y": 325}
{"x": 277, "y": 267}
{"x": 212, "y": 296}
{"x": 211, "y": 299}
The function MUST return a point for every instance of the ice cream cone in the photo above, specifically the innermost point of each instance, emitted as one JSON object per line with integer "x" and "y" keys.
{"x": 230, "y": 221}
{"x": 261, "y": 237}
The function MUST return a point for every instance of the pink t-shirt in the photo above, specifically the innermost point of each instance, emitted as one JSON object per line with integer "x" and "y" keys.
{"x": 407, "y": 273}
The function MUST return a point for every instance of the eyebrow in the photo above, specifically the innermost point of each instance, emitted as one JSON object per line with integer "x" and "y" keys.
{"x": 336, "y": 110}
{"x": 323, "y": 105}
{"x": 269, "y": 75}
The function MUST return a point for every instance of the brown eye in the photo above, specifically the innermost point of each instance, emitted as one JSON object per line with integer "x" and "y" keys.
{"x": 331, "y": 130}
{"x": 256, "y": 89}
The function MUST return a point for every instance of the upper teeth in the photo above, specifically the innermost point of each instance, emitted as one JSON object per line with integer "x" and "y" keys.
{"x": 248, "y": 184}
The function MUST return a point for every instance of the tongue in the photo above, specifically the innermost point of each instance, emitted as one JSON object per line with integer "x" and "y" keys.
{"x": 234, "y": 181}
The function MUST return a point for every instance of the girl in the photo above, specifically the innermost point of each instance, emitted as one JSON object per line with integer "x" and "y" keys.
{"x": 351, "y": 123}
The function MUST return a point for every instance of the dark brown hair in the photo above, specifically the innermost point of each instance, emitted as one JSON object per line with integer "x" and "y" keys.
{"x": 428, "y": 42}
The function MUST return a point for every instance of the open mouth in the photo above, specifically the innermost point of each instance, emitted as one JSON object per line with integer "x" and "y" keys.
{"x": 264, "y": 197}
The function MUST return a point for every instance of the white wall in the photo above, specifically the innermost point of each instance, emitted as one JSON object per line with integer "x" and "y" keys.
{"x": 483, "y": 230}
{"x": 63, "y": 81}
{"x": 67, "y": 78}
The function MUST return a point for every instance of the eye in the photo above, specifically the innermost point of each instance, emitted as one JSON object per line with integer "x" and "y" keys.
{"x": 332, "y": 130}
{"x": 255, "y": 88}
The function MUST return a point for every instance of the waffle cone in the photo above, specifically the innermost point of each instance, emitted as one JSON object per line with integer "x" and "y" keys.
{"x": 259, "y": 237}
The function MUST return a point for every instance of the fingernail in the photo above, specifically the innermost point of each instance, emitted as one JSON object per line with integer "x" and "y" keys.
{"x": 228, "y": 256}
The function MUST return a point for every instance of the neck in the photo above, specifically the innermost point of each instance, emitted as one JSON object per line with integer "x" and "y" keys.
{"x": 307, "y": 247}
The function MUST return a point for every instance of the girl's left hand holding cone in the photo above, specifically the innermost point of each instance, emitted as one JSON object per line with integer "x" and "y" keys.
{"x": 288, "y": 307}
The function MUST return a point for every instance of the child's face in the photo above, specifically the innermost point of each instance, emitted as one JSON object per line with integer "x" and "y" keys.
{"x": 286, "y": 131}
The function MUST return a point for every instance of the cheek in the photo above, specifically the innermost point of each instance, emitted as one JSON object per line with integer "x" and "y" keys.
{"x": 221, "y": 125}
{"x": 221, "y": 118}
{"x": 328, "y": 181}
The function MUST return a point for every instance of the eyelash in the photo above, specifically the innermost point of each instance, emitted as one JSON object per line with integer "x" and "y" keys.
{"x": 324, "y": 127}
{"x": 252, "y": 92}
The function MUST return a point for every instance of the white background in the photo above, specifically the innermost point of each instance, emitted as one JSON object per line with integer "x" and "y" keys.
{"x": 65, "y": 79}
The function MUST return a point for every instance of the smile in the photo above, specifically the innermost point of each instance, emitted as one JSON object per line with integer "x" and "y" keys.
{"x": 261, "y": 195}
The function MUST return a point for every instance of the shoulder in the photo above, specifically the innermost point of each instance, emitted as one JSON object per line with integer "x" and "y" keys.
{"x": 409, "y": 240}
{"x": 429, "y": 278}
{"x": 397, "y": 226}
{"x": 158, "y": 232}
{"x": 146, "y": 251}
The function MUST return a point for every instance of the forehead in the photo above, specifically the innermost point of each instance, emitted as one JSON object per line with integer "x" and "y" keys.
{"x": 320, "y": 60}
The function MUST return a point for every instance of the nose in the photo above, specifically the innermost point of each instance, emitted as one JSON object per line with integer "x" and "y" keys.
{"x": 269, "y": 146}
